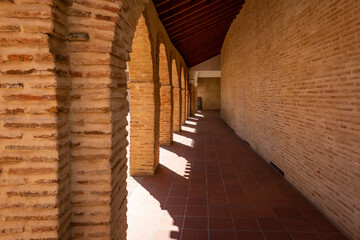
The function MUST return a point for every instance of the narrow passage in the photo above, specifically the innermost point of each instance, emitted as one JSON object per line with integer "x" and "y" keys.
{"x": 211, "y": 185}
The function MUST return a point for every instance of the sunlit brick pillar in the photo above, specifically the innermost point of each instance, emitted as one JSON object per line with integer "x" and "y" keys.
{"x": 166, "y": 115}
{"x": 176, "y": 97}
{"x": 193, "y": 99}
{"x": 166, "y": 99}
{"x": 144, "y": 148}
{"x": 183, "y": 105}
{"x": 34, "y": 128}
{"x": 144, "y": 106}
{"x": 187, "y": 103}
{"x": 98, "y": 112}
{"x": 177, "y": 109}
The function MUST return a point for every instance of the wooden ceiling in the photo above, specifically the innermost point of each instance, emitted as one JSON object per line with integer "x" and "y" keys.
{"x": 197, "y": 28}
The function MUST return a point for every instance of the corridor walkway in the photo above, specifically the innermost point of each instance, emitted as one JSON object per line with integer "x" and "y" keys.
{"x": 211, "y": 185}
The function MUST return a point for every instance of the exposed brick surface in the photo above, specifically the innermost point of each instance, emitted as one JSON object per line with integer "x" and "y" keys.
{"x": 175, "y": 81}
{"x": 193, "y": 99}
{"x": 63, "y": 115}
{"x": 166, "y": 99}
{"x": 290, "y": 87}
{"x": 144, "y": 104}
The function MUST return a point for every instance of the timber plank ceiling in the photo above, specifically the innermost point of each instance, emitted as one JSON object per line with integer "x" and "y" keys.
{"x": 197, "y": 28}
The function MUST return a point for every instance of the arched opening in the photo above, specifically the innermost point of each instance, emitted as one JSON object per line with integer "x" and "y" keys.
{"x": 144, "y": 105}
{"x": 176, "y": 97}
{"x": 166, "y": 129}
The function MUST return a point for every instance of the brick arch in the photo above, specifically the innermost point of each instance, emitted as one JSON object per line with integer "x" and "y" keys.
{"x": 98, "y": 127}
{"x": 144, "y": 103}
{"x": 73, "y": 111}
{"x": 141, "y": 56}
{"x": 176, "y": 95}
{"x": 166, "y": 96}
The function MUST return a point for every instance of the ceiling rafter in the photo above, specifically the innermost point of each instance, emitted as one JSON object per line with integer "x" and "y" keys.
{"x": 201, "y": 38}
{"x": 197, "y": 28}
{"x": 198, "y": 24}
{"x": 205, "y": 15}
{"x": 199, "y": 13}
{"x": 206, "y": 30}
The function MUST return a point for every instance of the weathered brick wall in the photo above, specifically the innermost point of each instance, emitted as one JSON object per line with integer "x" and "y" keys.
{"x": 63, "y": 116}
{"x": 145, "y": 92}
{"x": 193, "y": 99}
{"x": 166, "y": 98}
{"x": 209, "y": 91}
{"x": 291, "y": 88}
{"x": 34, "y": 136}
{"x": 183, "y": 95}
{"x": 176, "y": 97}
{"x": 144, "y": 104}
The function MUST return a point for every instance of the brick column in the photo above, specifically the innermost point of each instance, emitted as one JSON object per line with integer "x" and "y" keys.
{"x": 183, "y": 106}
{"x": 193, "y": 99}
{"x": 177, "y": 109}
{"x": 166, "y": 122}
{"x": 144, "y": 130}
{"x": 187, "y": 103}
{"x": 98, "y": 116}
{"x": 34, "y": 128}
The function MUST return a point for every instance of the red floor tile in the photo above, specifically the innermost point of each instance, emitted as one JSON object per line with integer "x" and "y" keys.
{"x": 219, "y": 212}
{"x": 305, "y": 235}
{"x": 277, "y": 236}
{"x": 219, "y": 188}
{"x": 238, "y": 212}
{"x": 220, "y": 223}
{"x": 221, "y": 234}
{"x": 297, "y": 225}
{"x": 189, "y": 234}
{"x": 176, "y": 201}
{"x": 196, "y": 223}
{"x": 322, "y": 225}
{"x": 264, "y": 213}
{"x": 175, "y": 210}
{"x": 196, "y": 211}
{"x": 271, "y": 224}
{"x": 288, "y": 213}
{"x": 197, "y": 201}
{"x": 246, "y": 224}
{"x": 249, "y": 235}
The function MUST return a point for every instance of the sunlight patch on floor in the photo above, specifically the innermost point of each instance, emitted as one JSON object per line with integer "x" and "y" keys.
{"x": 188, "y": 129}
{"x": 191, "y": 122}
{"x": 184, "y": 140}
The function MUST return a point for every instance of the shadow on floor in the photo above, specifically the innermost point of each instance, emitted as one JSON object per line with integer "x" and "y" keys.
{"x": 211, "y": 185}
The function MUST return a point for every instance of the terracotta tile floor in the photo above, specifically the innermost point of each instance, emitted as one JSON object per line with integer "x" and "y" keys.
{"x": 211, "y": 185}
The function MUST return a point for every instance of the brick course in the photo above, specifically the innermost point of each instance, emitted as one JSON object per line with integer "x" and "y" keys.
{"x": 63, "y": 115}
{"x": 290, "y": 87}
{"x": 166, "y": 99}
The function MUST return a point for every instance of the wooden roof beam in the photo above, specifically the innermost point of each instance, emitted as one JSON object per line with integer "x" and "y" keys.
{"x": 204, "y": 15}
{"x": 227, "y": 14}
{"x": 204, "y": 26}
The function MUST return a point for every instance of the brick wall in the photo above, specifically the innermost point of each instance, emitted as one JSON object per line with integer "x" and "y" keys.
{"x": 291, "y": 88}
{"x": 166, "y": 98}
{"x": 176, "y": 97}
{"x": 34, "y": 136}
{"x": 209, "y": 91}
